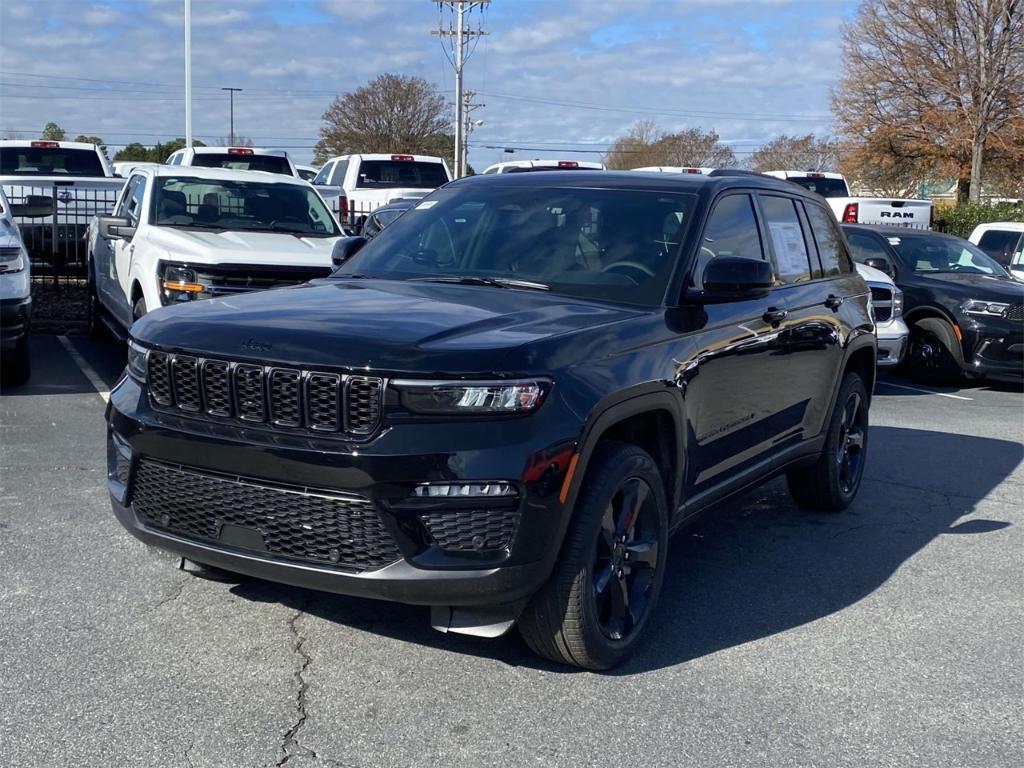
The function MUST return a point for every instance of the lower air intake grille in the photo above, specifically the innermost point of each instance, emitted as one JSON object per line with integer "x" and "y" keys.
{"x": 1015, "y": 312}
{"x": 471, "y": 530}
{"x": 291, "y": 522}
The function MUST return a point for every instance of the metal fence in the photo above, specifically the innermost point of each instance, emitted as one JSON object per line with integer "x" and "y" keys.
{"x": 55, "y": 227}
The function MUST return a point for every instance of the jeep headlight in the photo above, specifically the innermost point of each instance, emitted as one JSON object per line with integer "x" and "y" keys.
{"x": 137, "y": 362}
{"x": 986, "y": 308}
{"x": 471, "y": 397}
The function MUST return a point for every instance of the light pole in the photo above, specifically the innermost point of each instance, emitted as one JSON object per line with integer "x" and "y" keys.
{"x": 231, "y": 91}
{"x": 188, "y": 73}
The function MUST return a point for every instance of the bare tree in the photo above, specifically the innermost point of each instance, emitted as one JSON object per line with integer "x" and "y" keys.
{"x": 797, "y": 153}
{"x": 933, "y": 84}
{"x": 391, "y": 113}
{"x": 646, "y": 145}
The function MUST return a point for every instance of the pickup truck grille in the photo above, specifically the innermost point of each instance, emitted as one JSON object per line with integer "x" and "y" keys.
{"x": 278, "y": 521}
{"x": 881, "y": 298}
{"x": 287, "y": 398}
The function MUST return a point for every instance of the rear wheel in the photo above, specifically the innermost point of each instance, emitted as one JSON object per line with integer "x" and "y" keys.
{"x": 934, "y": 355}
{"x": 832, "y": 482}
{"x": 594, "y": 609}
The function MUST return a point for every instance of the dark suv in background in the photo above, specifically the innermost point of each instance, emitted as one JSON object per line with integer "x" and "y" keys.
{"x": 504, "y": 403}
{"x": 964, "y": 310}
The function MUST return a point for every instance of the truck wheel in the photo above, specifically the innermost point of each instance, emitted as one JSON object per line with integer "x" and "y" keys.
{"x": 17, "y": 364}
{"x": 97, "y": 328}
{"x": 934, "y": 355}
{"x": 831, "y": 483}
{"x": 595, "y": 607}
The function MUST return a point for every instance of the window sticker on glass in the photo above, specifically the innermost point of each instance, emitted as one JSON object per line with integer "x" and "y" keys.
{"x": 424, "y": 206}
{"x": 893, "y": 240}
{"x": 790, "y": 250}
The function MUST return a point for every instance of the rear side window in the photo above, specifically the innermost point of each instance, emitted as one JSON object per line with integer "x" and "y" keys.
{"x": 339, "y": 173}
{"x": 831, "y": 249}
{"x": 865, "y": 247}
{"x": 1000, "y": 244}
{"x": 792, "y": 263}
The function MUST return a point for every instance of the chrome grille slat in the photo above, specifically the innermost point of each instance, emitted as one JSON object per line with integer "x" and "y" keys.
{"x": 287, "y": 398}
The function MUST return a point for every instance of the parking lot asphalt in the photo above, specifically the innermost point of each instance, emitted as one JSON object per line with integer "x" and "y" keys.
{"x": 890, "y": 635}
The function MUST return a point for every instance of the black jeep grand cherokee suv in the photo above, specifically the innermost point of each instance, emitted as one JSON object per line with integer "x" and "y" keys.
{"x": 505, "y": 402}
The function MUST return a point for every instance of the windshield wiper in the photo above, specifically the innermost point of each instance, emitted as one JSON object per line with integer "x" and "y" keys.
{"x": 493, "y": 282}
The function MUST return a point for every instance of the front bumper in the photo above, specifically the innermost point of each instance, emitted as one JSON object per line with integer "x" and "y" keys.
{"x": 994, "y": 349}
{"x": 381, "y": 474}
{"x": 15, "y": 317}
{"x": 892, "y": 341}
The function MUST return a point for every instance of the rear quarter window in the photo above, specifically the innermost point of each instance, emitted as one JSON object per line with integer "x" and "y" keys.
{"x": 835, "y": 259}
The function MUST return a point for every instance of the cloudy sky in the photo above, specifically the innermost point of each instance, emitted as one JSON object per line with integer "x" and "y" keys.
{"x": 553, "y": 74}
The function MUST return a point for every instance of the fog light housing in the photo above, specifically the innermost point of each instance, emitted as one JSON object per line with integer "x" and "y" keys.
{"x": 500, "y": 489}
{"x": 119, "y": 465}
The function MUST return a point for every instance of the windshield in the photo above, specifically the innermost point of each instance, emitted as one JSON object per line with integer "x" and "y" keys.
{"x": 388, "y": 174}
{"x": 822, "y": 186}
{"x": 193, "y": 203}
{"x": 49, "y": 161}
{"x": 608, "y": 244}
{"x": 269, "y": 163}
{"x": 924, "y": 253}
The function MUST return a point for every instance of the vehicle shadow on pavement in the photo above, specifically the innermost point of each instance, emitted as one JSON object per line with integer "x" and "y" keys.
{"x": 758, "y": 565}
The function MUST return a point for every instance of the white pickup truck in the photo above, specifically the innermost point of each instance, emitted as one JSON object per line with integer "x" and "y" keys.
{"x": 182, "y": 234}
{"x": 526, "y": 166}
{"x": 64, "y": 184}
{"x": 235, "y": 159}
{"x": 893, "y": 212}
{"x": 355, "y": 185}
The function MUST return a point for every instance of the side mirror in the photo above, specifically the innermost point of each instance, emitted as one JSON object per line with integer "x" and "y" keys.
{"x": 115, "y": 228}
{"x": 730, "y": 278}
{"x": 881, "y": 263}
{"x": 33, "y": 206}
{"x": 345, "y": 249}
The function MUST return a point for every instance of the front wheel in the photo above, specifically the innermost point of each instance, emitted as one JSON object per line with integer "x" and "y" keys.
{"x": 832, "y": 482}
{"x": 97, "y": 328}
{"x": 594, "y": 609}
{"x": 933, "y": 354}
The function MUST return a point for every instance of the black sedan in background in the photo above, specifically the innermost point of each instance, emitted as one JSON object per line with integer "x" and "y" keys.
{"x": 965, "y": 312}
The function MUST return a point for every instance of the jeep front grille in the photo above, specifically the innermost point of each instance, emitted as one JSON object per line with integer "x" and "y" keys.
{"x": 287, "y": 398}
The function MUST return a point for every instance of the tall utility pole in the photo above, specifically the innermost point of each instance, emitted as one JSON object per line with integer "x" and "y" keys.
{"x": 188, "y": 73}
{"x": 468, "y": 105}
{"x": 460, "y": 39}
{"x": 231, "y": 92}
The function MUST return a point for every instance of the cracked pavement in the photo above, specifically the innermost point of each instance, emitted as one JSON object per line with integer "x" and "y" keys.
{"x": 891, "y": 635}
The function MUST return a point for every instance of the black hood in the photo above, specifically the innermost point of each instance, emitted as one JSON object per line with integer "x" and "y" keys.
{"x": 383, "y": 325}
{"x": 974, "y": 286}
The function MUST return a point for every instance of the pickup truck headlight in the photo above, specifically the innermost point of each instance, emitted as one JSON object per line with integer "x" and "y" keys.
{"x": 897, "y": 303}
{"x": 137, "y": 362}
{"x": 178, "y": 284}
{"x": 986, "y": 308}
{"x": 472, "y": 397}
{"x": 12, "y": 259}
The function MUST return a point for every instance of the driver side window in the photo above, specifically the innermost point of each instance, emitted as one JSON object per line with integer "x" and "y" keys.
{"x": 131, "y": 204}
{"x": 731, "y": 231}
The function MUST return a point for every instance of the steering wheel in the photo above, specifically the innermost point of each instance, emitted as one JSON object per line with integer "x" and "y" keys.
{"x": 628, "y": 265}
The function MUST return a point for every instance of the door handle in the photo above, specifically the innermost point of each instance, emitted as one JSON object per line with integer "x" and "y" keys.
{"x": 834, "y": 302}
{"x": 774, "y": 316}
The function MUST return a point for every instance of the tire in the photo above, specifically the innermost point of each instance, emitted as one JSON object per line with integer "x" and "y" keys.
{"x": 97, "y": 328}
{"x": 17, "y": 364}
{"x": 832, "y": 482}
{"x": 934, "y": 355}
{"x": 572, "y": 620}
{"x": 138, "y": 308}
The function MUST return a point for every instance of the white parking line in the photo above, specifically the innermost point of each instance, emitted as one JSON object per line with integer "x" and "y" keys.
{"x": 90, "y": 373}
{"x": 924, "y": 391}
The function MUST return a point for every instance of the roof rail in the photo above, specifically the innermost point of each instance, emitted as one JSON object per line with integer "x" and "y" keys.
{"x": 733, "y": 172}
